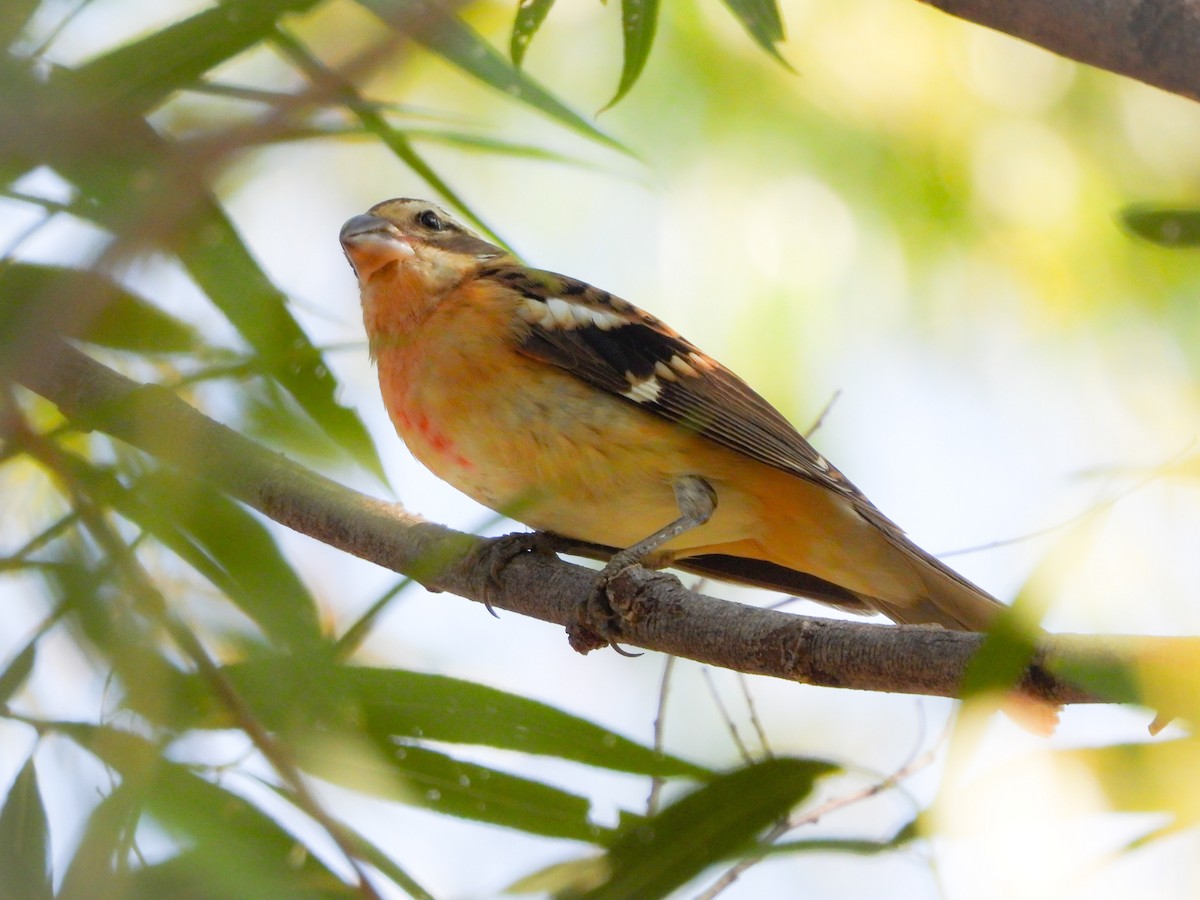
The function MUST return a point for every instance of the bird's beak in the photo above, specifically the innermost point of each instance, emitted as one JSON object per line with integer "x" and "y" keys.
{"x": 371, "y": 242}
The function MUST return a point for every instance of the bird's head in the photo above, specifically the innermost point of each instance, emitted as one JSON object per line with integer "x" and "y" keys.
{"x": 418, "y": 240}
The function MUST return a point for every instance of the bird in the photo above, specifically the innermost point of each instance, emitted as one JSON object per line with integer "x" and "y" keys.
{"x": 580, "y": 415}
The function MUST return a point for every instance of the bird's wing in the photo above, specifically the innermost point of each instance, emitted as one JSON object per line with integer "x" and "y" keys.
{"x": 611, "y": 344}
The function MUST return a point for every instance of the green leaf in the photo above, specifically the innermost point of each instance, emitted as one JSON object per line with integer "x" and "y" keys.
{"x": 1006, "y": 653}
{"x": 255, "y": 573}
{"x": 371, "y": 854}
{"x": 374, "y": 122}
{"x": 447, "y": 35}
{"x": 657, "y": 855}
{"x": 1162, "y": 226}
{"x": 639, "y": 20}
{"x": 392, "y": 703}
{"x": 530, "y": 15}
{"x": 106, "y": 838}
{"x": 140, "y": 75}
{"x": 397, "y": 703}
{"x": 219, "y": 538}
{"x": 422, "y": 777}
{"x": 24, "y": 840}
{"x": 224, "y": 269}
{"x": 762, "y": 22}
{"x": 14, "y": 16}
{"x": 18, "y": 672}
{"x": 233, "y": 848}
{"x": 120, "y": 319}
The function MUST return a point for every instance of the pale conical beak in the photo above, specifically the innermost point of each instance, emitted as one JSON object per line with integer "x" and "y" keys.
{"x": 371, "y": 242}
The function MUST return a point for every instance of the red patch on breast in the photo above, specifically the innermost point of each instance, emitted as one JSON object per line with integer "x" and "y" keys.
{"x": 439, "y": 442}
{"x": 412, "y": 421}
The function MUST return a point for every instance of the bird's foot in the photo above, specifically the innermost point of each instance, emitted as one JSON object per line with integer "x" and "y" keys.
{"x": 503, "y": 550}
{"x": 597, "y": 623}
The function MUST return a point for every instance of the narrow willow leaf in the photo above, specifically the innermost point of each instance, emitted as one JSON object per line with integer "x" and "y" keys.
{"x": 530, "y": 15}
{"x": 92, "y": 871}
{"x": 447, "y": 35}
{"x": 219, "y": 538}
{"x": 122, "y": 320}
{"x": 14, "y": 15}
{"x": 1166, "y": 227}
{"x": 422, "y": 777}
{"x": 24, "y": 840}
{"x": 223, "y": 267}
{"x": 639, "y": 20}
{"x": 264, "y": 584}
{"x": 18, "y": 672}
{"x": 762, "y": 21}
{"x": 372, "y": 854}
{"x": 375, "y": 123}
{"x": 391, "y": 703}
{"x": 234, "y": 849}
{"x": 654, "y": 857}
{"x": 141, "y": 74}
{"x": 435, "y": 707}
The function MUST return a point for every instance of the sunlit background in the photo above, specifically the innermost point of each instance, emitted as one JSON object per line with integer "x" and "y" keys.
{"x": 916, "y": 227}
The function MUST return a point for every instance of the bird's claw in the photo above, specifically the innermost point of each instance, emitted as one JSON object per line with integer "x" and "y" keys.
{"x": 503, "y": 550}
{"x": 596, "y": 623}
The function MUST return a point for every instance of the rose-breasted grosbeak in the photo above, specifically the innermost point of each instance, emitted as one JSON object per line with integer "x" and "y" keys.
{"x": 577, "y": 413}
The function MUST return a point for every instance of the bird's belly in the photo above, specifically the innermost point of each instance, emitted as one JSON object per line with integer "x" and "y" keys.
{"x": 557, "y": 454}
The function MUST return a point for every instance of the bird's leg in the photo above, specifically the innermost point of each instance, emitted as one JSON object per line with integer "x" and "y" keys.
{"x": 697, "y": 502}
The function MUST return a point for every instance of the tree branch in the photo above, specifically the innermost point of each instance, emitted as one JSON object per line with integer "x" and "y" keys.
{"x": 657, "y": 612}
{"x": 1154, "y": 41}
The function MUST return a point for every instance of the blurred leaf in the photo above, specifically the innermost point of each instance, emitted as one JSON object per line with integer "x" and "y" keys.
{"x": 122, "y": 320}
{"x": 93, "y": 870}
{"x": 187, "y": 877}
{"x": 259, "y": 578}
{"x": 24, "y": 840}
{"x": 653, "y": 857}
{"x": 905, "y": 834}
{"x": 762, "y": 22}
{"x": 269, "y": 414}
{"x": 217, "y": 537}
{"x": 14, "y": 15}
{"x": 233, "y": 848}
{"x": 392, "y": 703}
{"x": 374, "y": 122}
{"x": 434, "y": 707}
{"x": 1004, "y": 656}
{"x": 17, "y": 672}
{"x": 448, "y": 36}
{"x": 422, "y": 777}
{"x": 639, "y": 20}
{"x": 140, "y": 75}
{"x": 1162, "y": 676}
{"x": 147, "y": 190}
{"x": 1166, "y": 227}
{"x": 1148, "y": 777}
{"x": 530, "y": 15}
{"x": 374, "y": 856}
{"x": 225, "y": 270}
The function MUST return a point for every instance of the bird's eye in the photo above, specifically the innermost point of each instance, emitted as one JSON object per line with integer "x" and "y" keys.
{"x": 431, "y": 220}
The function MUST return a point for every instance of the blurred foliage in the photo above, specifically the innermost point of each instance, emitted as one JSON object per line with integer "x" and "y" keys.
{"x": 134, "y": 144}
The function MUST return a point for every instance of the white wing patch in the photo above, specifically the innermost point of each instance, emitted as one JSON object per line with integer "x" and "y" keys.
{"x": 643, "y": 390}
{"x": 555, "y": 313}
